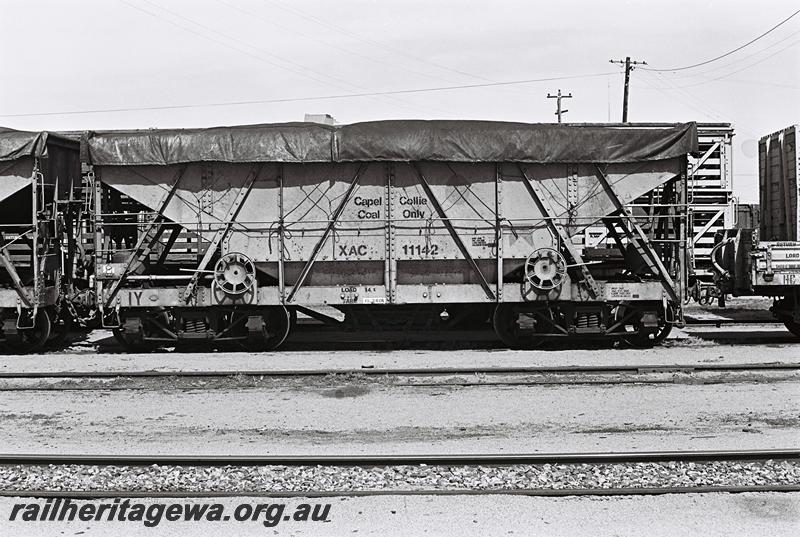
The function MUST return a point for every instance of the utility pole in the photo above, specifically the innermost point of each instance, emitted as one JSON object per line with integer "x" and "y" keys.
{"x": 628, "y": 68}
{"x": 559, "y": 111}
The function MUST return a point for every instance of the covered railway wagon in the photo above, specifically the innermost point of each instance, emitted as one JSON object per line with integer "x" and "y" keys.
{"x": 224, "y": 234}
{"x": 766, "y": 262}
{"x": 39, "y": 172}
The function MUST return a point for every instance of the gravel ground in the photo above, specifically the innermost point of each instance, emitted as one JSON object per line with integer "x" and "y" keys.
{"x": 395, "y": 478}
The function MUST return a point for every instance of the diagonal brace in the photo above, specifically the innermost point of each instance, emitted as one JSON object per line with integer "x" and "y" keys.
{"x": 328, "y": 229}
{"x": 140, "y": 250}
{"x": 702, "y": 160}
{"x": 705, "y": 228}
{"x": 233, "y": 212}
{"x": 173, "y": 236}
{"x": 547, "y": 210}
{"x": 15, "y": 279}
{"x": 637, "y": 236}
{"x": 453, "y": 233}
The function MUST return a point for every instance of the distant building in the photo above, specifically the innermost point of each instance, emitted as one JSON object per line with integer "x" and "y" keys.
{"x": 325, "y": 119}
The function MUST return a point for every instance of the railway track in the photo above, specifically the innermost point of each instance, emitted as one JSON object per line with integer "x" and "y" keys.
{"x": 643, "y": 491}
{"x": 424, "y": 371}
{"x": 387, "y": 461}
{"x": 394, "y": 460}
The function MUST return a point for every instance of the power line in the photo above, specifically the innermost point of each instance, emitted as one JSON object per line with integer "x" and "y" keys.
{"x": 739, "y": 60}
{"x": 691, "y": 96}
{"x": 702, "y": 107}
{"x": 762, "y": 83}
{"x": 227, "y": 45}
{"x": 741, "y": 81}
{"x": 315, "y": 38}
{"x": 298, "y": 68}
{"x": 327, "y": 24}
{"x": 341, "y": 82}
{"x": 686, "y": 102}
{"x": 732, "y": 51}
{"x": 762, "y": 60}
{"x": 316, "y": 98}
{"x": 300, "y": 13}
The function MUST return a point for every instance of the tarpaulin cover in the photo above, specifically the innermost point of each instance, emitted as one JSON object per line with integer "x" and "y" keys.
{"x": 400, "y": 140}
{"x": 279, "y": 142}
{"x": 488, "y": 141}
{"x": 18, "y": 144}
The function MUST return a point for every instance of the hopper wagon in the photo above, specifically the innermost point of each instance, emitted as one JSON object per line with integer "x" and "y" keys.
{"x": 222, "y": 236}
{"x": 40, "y": 200}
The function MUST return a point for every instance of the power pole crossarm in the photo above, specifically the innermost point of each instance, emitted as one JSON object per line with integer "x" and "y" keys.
{"x": 558, "y": 97}
{"x": 629, "y": 66}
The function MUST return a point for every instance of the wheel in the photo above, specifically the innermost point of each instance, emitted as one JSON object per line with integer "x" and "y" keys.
{"x": 120, "y": 337}
{"x": 30, "y": 339}
{"x": 644, "y": 341}
{"x": 126, "y": 336}
{"x": 784, "y": 310}
{"x": 792, "y": 326}
{"x": 272, "y": 330}
{"x": 516, "y": 330}
{"x": 129, "y": 345}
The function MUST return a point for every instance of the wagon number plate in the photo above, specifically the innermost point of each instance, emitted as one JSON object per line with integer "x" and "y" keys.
{"x": 619, "y": 291}
{"x": 419, "y": 250}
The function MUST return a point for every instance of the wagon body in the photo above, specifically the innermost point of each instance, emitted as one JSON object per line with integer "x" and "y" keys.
{"x": 39, "y": 174}
{"x": 779, "y": 186}
{"x": 764, "y": 260}
{"x": 370, "y": 217}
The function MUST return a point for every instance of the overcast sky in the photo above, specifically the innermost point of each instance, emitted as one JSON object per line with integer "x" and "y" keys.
{"x": 82, "y": 55}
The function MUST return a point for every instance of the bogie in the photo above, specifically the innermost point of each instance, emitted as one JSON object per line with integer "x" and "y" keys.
{"x": 259, "y": 329}
{"x": 532, "y": 325}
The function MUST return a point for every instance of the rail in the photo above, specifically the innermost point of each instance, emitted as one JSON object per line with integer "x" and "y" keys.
{"x": 491, "y": 459}
{"x": 431, "y": 371}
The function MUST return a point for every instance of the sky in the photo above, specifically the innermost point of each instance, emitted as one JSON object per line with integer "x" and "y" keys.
{"x": 87, "y": 57}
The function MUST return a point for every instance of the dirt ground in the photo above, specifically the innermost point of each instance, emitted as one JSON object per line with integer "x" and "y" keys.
{"x": 348, "y": 416}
